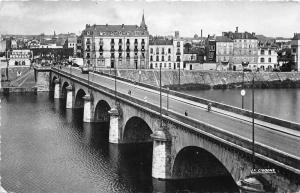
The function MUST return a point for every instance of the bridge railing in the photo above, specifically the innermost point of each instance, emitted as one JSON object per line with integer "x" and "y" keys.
{"x": 222, "y": 106}
{"x": 278, "y": 158}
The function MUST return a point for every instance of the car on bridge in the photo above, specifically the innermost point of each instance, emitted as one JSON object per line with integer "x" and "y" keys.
{"x": 84, "y": 70}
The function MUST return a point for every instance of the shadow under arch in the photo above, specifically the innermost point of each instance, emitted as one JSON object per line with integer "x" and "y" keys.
{"x": 101, "y": 112}
{"x": 194, "y": 162}
{"x": 64, "y": 90}
{"x": 79, "y": 102}
{"x": 136, "y": 130}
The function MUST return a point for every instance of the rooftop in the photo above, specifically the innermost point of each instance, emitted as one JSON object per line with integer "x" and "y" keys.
{"x": 161, "y": 41}
{"x": 223, "y": 39}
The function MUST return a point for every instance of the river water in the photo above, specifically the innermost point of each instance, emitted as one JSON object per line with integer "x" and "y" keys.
{"x": 280, "y": 103}
{"x": 46, "y": 148}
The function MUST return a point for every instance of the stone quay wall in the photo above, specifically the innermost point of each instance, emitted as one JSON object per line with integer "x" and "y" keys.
{"x": 209, "y": 79}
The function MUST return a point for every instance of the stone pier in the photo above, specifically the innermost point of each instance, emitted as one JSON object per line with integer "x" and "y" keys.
{"x": 114, "y": 131}
{"x": 88, "y": 109}
{"x": 70, "y": 97}
{"x": 57, "y": 91}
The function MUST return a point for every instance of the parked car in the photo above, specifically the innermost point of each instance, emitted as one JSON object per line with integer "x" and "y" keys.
{"x": 84, "y": 70}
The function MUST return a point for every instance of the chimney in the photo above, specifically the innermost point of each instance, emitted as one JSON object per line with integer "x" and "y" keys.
{"x": 201, "y": 33}
{"x": 236, "y": 29}
{"x": 122, "y": 26}
{"x": 223, "y": 33}
{"x": 176, "y": 34}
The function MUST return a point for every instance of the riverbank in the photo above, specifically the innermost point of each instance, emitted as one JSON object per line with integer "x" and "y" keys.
{"x": 198, "y": 80}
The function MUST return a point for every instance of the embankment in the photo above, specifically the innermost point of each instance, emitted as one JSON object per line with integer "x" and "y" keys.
{"x": 210, "y": 79}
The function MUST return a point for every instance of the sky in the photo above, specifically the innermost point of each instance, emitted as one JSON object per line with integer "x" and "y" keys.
{"x": 274, "y": 19}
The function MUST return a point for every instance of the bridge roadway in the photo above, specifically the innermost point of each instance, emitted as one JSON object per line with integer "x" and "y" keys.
{"x": 283, "y": 140}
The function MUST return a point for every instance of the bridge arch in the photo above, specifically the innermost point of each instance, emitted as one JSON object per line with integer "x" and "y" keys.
{"x": 52, "y": 83}
{"x": 196, "y": 162}
{"x": 136, "y": 130}
{"x": 101, "y": 111}
{"x": 64, "y": 89}
{"x": 79, "y": 102}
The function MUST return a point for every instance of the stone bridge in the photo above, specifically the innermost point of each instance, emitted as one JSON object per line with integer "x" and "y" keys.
{"x": 183, "y": 147}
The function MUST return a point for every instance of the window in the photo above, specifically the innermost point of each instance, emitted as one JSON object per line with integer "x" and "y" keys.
{"x": 162, "y": 58}
{"x": 157, "y": 50}
{"x": 169, "y": 50}
{"x": 178, "y": 44}
{"x": 163, "y": 51}
{"x": 165, "y": 65}
{"x": 270, "y": 60}
{"x": 294, "y": 50}
{"x": 169, "y": 58}
{"x": 151, "y": 50}
{"x": 170, "y": 65}
{"x": 157, "y": 58}
{"x": 262, "y": 60}
{"x": 151, "y": 58}
{"x": 269, "y": 52}
{"x": 262, "y": 52}
{"x": 155, "y": 65}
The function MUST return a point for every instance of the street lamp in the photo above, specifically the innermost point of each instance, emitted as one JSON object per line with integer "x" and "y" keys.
{"x": 253, "y": 156}
{"x": 243, "y": 92}
{"x": 179, "y": 74}
{"x": 168, "y": 90}
{"x": 115, "y": 66}
{"x": 160, "y": 97}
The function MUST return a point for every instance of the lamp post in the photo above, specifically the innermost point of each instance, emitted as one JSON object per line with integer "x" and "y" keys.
{"x": 115, "y": 66}
{"x": 244, "y": 64}
{"x": 168, "y": 90}
{"x": 253, "y": 154}
{"x": 160, "y": 97}
{"x": 179, "y": 74}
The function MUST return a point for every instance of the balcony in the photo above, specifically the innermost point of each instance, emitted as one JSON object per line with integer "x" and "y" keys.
{"x": 135, "y": 57}
{"x": 88, "y": 42}
{"x": 112, "y": 43}
{"x": 178, "y": 60}
{"x": 112, "y": 49}
{"x": 163, "y": 53}
{"x": 127, "y": 50}
{"x": 120, "y": 50}
{"x": 88, "y": 50}
{"x": 88, "y": 56}
{"x": 178, "y": 53}
{"x": 143, "y": 49}
{"x": 135, "y": 44}
{"x": 135, "y": 50}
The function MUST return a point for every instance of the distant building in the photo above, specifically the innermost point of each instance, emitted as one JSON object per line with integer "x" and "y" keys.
{"x": 267, "y": 55}
{"x": 210, "y": 45}
{"x": 33, "y": 44}
{"x": 71, "y": 42}
{"x": 166, "y": 52}
{"x": 295, "y": 44}
{"x": 124, "y": 46}
{"x": 79, "y": 51}
{"x": 283, "y": 43}
{"x": 19, "y": 57}
{"x": 245, "y": 48}
{"x": 193, "y": 58}
{"x": 224, "y": 52}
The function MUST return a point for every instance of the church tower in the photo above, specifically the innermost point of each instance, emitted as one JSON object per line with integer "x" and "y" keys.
{"x": 143, "y": 24}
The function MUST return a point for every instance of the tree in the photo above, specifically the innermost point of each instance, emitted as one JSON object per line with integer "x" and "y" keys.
{"x": 285, "y": 56}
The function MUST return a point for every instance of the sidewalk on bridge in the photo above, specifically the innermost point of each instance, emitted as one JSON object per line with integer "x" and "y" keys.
{"x": 242, "y": 117}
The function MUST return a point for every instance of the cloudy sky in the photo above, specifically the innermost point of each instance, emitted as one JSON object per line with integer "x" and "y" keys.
{"x": 162, "y": 17}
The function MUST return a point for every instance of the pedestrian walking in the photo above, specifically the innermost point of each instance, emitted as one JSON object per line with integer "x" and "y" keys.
{"x": 186, "y": 113}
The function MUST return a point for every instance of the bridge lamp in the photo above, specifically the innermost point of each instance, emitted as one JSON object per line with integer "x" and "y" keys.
{"x": 160, "y": 97}
{"x": 253, "y": 156}
{"x": 244, "y": 64}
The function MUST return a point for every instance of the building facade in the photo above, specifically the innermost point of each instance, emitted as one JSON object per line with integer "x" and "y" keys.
{"x": 224, "y": 52}
{"x": 166, "y": 52}
{"x": 123, "y": 46}
{"x": 295, "y": 45}
{"x": 267, "y": 56}
{"x": 245, "y": 48}
{"x": 210, "y": 45}
{"x": 19, "y": 57}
